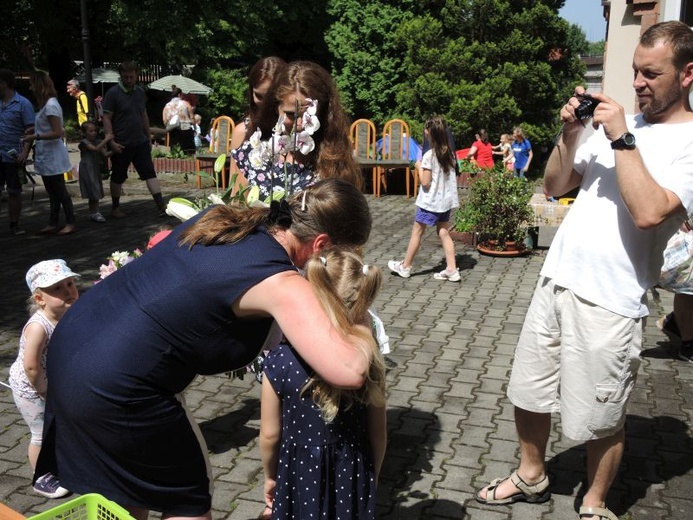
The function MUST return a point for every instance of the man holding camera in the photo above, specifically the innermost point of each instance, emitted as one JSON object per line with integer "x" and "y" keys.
{"x": 578, "y": 353}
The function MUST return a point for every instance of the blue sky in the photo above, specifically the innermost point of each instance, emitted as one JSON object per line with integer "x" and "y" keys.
{"x": 588, "y": 15}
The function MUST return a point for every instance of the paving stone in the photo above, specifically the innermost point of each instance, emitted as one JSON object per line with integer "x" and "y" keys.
{"x": 450, "y": 424}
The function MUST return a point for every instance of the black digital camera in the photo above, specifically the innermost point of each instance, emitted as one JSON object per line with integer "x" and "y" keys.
{"x": 586, "y": 107}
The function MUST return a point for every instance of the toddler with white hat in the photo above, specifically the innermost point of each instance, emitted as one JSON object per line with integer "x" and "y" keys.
{"x": 53, "y": 291}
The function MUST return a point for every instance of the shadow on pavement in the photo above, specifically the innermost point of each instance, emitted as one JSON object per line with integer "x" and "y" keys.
{"x": 229, "y": 431}
{"x": 412, "y": 439}
{"x": 657, "y": 449}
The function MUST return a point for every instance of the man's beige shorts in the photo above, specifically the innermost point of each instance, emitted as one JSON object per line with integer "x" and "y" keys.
{"x": 577, "y": 359}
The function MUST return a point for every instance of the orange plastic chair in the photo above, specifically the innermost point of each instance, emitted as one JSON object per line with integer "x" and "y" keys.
{"x": 221, "y": 144}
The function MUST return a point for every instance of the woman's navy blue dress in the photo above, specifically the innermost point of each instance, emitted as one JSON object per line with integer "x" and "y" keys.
{"x": 325, "y": 471}
{"x": 125, "y": 349}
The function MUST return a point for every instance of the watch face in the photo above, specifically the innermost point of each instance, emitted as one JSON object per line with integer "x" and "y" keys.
{"x": 625, "y": 142}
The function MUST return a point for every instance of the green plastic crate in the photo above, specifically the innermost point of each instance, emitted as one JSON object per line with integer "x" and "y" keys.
{"x": 91, "y": 506}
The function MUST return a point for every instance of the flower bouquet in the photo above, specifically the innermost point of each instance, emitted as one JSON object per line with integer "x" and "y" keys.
{"x": 117, "y": 260}
{"x": 183, "y": 209}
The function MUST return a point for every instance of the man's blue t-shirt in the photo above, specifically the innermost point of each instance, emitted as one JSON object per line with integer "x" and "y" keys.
{"x": 16, "y": 115}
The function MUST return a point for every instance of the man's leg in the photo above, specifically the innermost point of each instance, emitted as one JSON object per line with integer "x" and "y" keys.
{"x": 683, "y": 310}
{"x": 600, "y": 373}
{"x": 14, "y": 208}
{"x": 154, "y": 187}
{"x": 9, "y": 176}
{"x": 119, "y": 174}
{"x": 533, "y": 430}
{"x": 603, "y": 460}
{"x": 142, "y": 160}
{"x": 116, "y": 190}
{"x": 534, "y": 383}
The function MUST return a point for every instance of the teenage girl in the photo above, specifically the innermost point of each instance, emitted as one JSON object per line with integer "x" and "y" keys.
{"x": 322, "y": 447}
{"x": 259, "y": 80}
{"x": 53, "y": 291}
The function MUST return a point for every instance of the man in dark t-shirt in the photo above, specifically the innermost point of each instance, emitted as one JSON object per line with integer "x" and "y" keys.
{"x": 125, "y": 115}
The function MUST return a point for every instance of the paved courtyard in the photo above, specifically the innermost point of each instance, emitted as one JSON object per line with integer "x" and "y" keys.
{"x": 450, "y": 424}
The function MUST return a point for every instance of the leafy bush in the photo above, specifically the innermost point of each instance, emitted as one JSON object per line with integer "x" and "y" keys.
{"x": 176, "y": 152}
{"x": 498, "y": 206}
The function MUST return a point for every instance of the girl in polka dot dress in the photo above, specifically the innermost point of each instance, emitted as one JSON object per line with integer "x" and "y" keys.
{"x": 322, "y": 447}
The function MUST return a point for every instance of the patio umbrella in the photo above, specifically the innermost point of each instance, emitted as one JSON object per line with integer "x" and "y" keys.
{"x": 101, "y": 75}
{"x": 187, "y": 85}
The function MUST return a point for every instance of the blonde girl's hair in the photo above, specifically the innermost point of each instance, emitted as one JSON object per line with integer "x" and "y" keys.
{"x": 438, "y": 136}
{"x": 31, "y": 304}
{"x": 347, "y": 287}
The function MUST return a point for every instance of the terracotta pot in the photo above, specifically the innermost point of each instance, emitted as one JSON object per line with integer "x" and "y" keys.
{"x": 467, "y": 238}
{"x": 491, "y": 249}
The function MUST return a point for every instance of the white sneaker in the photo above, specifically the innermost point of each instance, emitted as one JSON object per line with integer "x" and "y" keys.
{"x": 450, "y": 277}
{"x": 398, "y": 268}
{"x": 97, "y": 217}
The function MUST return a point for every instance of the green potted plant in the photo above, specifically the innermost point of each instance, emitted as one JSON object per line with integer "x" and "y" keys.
{"x": 499, "y": 211}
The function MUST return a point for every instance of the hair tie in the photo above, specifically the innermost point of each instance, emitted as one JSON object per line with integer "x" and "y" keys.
{"x": 280, "y": 213}
{"x": 365, "y": 268}
{"x": 303, "y": 201}
{"x": 323, "y": 260}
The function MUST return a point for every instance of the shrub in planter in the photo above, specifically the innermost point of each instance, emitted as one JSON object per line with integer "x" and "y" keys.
{"x": 499, "y": 207}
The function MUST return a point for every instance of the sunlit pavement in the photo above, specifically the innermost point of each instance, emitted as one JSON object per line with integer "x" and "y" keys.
{"x": 450, "y": 424}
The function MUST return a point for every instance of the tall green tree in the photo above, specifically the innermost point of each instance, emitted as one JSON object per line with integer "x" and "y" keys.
{"x": 480, "y": 63}
{"x": 367, "y": 60}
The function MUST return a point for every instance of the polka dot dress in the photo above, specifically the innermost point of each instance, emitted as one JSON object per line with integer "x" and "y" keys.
{"x": 325, "y": 471}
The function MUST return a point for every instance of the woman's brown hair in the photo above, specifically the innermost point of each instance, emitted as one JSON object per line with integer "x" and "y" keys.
{"x": 264, "y": 69}
{"x": 42, "y": 86}
{"x": 331, "y": 206}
